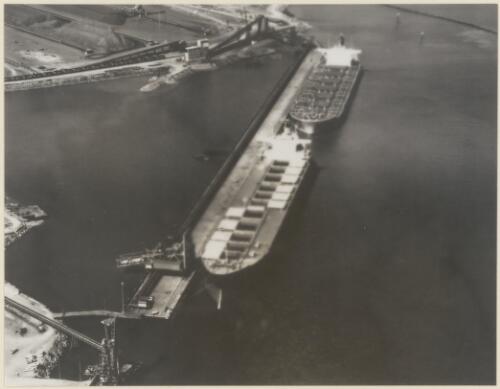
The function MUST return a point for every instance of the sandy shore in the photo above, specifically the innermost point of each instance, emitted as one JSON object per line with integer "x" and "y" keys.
{"x": 31, "y": 349}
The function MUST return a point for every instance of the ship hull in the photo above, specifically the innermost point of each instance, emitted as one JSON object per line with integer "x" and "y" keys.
{"x": 261, "y": 195}
{"x": 263, "y": 263}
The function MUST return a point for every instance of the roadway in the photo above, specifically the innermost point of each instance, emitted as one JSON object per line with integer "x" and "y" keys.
{"x": 140, "y": 55}
{"x": 143, "y": 68}
{"x": 96, "y": 313}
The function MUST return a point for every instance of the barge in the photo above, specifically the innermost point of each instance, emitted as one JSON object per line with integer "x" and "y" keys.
{"x": 326, "y": 93}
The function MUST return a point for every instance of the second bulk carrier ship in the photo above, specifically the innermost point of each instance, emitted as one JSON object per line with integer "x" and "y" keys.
{"x": 328, "y": 88}
{"x": 238, "y": 228}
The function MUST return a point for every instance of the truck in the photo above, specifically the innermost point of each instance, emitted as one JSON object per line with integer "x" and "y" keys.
{"x": 145, "y": 302}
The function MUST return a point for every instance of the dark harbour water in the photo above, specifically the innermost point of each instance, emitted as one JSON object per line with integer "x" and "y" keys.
{"x": 115, "y": 170}
{"x": 387, "y": 271}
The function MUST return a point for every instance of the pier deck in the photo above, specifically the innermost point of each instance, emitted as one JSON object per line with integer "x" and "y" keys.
{"x": 166, "y": 290}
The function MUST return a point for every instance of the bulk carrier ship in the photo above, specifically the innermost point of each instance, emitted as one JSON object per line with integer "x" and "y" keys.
{"x": 246, "y": 231}
{"x": 239, "y": 227}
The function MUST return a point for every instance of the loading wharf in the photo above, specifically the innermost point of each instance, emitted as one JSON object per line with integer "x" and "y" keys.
{"x": 172, "y": 271}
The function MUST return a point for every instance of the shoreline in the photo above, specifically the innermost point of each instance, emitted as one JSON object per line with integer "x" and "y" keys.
{"x": 32, "y": 350}
{"x": 20, "y": 219}
{"x": 226, "y": 20}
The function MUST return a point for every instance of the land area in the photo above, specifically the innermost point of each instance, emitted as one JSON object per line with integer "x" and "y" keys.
{"x": 19, "y": 219}
{"x": 31, "y": 349}
{"x": 41, "y": 38}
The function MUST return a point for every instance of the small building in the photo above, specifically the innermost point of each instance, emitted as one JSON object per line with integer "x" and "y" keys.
{"x": 197, "y": 53}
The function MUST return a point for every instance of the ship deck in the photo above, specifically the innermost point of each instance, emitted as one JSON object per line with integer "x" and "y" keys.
{"x": 166, "y": 293}
{"x": 325, "y": 93}
{"x": 242, "y": 182}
